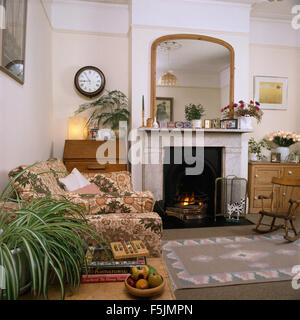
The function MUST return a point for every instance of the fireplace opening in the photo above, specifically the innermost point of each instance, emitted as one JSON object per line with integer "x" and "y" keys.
{"x": 191, "y": 197}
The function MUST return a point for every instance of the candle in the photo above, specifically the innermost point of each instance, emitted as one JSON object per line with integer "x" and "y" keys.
{"x": 143, "y": 103}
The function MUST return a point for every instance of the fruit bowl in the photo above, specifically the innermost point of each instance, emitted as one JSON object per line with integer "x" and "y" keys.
{"x": 145, "y": 293}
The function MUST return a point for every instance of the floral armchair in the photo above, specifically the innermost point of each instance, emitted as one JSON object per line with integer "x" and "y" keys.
{"x": 117, "y": 211}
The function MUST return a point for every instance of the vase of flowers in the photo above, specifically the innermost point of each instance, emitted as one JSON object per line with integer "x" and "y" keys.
{"x": 245, "y": 112}
{"x": 194, "y": 113}
{"x": 283, "y": 140}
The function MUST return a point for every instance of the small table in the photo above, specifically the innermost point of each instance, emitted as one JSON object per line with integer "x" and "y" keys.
{"x": 110, "y": 290}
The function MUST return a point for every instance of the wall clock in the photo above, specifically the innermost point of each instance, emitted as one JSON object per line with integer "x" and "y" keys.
{"x": 89, "y": 81}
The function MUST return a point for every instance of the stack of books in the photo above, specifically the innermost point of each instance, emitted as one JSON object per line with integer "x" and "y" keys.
{"x": 102, "y": 267}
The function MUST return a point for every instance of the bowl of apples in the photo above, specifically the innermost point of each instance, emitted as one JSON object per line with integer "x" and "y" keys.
{"x": 144, "y": 282}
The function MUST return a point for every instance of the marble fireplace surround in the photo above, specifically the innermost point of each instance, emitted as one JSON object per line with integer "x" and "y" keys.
{"x": 234, "y": 143}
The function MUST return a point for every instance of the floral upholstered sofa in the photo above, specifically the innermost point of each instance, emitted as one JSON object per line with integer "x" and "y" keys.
{"x": 117, "y": 211}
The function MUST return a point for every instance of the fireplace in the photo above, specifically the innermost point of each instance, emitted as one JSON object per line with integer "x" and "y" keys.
{"x": 190, "y": 197}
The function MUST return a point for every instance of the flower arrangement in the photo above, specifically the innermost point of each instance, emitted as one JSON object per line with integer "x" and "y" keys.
{"x": 283, "y": 138}
{"x": 194, "y": 112}
{"x": 243, "y": 109}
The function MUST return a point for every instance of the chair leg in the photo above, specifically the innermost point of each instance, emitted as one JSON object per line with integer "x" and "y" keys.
{"x": 272, "y": 224}
{"x": 258, "y": 223}
{"x": 293, "y": 227}
{"x": 286, "y": 228}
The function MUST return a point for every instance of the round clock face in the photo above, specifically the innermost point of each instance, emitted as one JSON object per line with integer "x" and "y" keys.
{"x": 89, "y": 81}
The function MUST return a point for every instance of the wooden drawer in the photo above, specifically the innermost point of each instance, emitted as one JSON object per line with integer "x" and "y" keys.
{"x": 263, "y": 176}
{"x": 292, "y": 172}
{"x": 265, "y": 191}
{"x": 94, "y": 166}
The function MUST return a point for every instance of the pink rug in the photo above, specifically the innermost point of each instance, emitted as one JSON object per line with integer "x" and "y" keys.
{"x": 230, "y": 260}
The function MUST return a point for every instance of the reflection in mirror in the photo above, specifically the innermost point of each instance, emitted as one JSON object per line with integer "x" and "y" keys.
{"x": 12, "y": 38}
{"x": 192, "y": 71}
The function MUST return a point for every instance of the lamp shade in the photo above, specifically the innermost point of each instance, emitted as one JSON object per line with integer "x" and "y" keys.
{"x": 77, "y": 129}
{"x": 168, "y": 79}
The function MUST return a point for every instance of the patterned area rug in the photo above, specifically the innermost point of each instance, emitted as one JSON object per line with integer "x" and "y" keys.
{"x": 226, "y": 261}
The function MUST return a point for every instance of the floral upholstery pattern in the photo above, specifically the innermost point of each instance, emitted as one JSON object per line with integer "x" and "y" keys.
{"x": 140, "y": 226}
{"x": 117, "y": 212}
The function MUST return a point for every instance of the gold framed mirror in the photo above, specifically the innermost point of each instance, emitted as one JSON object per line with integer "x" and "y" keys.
{"x": 198, "y": 60}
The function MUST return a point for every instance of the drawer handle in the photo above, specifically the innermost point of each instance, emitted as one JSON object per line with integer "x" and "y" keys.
{"x": 103, "y": 167}
{"x": 256, "y": 176}
{"x": 284, "y": 194}
{"x": 255, "y": 198}
{"x": 290, "y": 172}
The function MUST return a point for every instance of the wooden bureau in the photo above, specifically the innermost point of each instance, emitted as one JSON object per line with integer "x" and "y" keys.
{"x": 81, "y": 154}
{"x": 260, "y": 175}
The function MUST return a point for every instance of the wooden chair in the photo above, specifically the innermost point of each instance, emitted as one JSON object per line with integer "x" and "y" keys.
{"x": 283, "y": 206}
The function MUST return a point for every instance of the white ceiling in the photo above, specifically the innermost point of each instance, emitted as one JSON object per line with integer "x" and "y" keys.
{"x": 195, "y": 56}
{"x": 260, "y": 8}
{"x": 109, "y": 1}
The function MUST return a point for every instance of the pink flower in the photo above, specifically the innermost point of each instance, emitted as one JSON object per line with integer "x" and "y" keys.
{"x": 257, "y": 108}
{"x": 222, "y": 110}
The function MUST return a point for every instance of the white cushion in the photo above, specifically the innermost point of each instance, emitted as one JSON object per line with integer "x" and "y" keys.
{"x": 75, "y": 180}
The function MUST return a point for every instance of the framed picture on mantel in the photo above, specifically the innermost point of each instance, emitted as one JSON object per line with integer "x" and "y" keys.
{"x": 271, "y": 92}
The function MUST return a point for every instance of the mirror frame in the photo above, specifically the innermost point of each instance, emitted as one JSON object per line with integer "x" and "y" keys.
{"x": 193, "y": 37}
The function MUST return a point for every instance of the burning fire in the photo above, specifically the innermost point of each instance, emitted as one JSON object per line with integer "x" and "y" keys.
{"x": 189, "y": 200}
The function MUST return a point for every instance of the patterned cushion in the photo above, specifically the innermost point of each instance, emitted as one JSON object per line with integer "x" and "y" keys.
{"x": 139, "y": 226}
{"x": 36, "y": 182}
{"x": 121, "y": 179}
{"x": 134, "y": 202}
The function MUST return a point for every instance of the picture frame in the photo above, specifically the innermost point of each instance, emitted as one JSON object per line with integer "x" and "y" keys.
{"x": 216, "y": 123}
{"x": 275, "y": 157}
{"x": 207, "y": 124}
{"x": 164, "y": 109}
{"x": 13, "y": 39}
{"x": 271, "y": 92}
{"x": 229, "y": 123}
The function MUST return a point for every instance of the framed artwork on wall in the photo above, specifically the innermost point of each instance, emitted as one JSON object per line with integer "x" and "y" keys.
{"x": 164, "y": 109}
{"x": 271, "y": 92}
{"x": 13, "y": 37}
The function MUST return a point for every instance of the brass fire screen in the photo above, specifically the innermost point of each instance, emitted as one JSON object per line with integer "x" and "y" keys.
{"x": 230, "y": 197}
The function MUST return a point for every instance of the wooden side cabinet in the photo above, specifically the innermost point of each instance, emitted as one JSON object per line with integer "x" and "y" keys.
{"x": 260, "y": 176}
{"x": 82, "y": 154}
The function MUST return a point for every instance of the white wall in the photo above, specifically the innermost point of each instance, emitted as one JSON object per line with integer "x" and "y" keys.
{"x": 73, "y": 50}
{"x": 267, "y": 60}
{"x": 210, "y": 98}
{"x": 26, "y": 110}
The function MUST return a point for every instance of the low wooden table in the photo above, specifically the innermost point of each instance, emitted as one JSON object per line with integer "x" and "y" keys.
{"x": 110, "y": 290}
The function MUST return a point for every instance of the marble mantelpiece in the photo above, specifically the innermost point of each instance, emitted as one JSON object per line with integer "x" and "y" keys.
{"x": 234, "y": 143}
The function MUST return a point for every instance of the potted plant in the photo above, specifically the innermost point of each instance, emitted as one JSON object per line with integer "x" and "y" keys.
{"x": 194, "y": 113}
{"x": 245, "y": 112}
{"x": 108, "y": 111}
{"x": 283, "y": 140}
{"x": 255, "y": 149}
{"x": 40, "y": 240}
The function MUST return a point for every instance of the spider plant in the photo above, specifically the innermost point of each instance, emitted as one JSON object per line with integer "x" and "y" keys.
{"x": 109, "y": 109}
{"x": 50, "y": 233}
